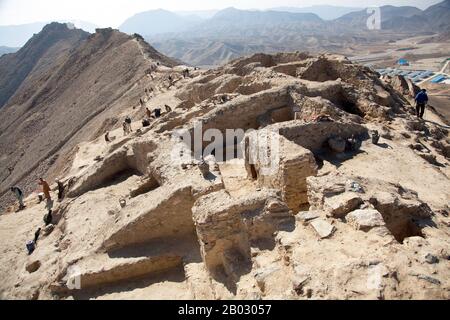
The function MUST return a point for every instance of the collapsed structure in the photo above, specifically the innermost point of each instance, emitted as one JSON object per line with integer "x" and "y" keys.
{"x": 318, "y": 220}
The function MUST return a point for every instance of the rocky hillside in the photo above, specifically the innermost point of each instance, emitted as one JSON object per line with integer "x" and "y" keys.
{"x": 349, "y": 200}
{"x": 50, "y": 45}
{"x": 60, "y": 89}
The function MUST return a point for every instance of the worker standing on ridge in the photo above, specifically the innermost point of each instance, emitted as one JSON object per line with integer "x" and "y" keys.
{"x": 157, "y": 112}
{"x": 60, "y": 189}
{"x": 125, "y": 128}
{"x": 46, "y": 191}
{"x": 19, "y": 195}
{"x": 45, "y": 188}
{"x": 421, "y": 101}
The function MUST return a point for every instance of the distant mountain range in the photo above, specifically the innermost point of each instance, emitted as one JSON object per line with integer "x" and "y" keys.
{"x": 157, "y": 22}
{"x": 18, "y": 35}
{"x": 211, "y": 38}
{"x": 324, "y": 12}
{"x": 231, "y": 33}
{"x": 436, "y": 18}
{"x": 5, "y": 50}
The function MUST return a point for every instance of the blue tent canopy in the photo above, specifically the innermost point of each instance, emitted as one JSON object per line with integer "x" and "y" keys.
{"x": 438, "y": 78}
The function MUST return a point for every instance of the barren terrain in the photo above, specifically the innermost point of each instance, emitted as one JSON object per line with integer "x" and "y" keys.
{"x": 337, "y": 217}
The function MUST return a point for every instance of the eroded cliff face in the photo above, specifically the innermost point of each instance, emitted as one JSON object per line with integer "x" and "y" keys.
{"x": 330, "y": 216}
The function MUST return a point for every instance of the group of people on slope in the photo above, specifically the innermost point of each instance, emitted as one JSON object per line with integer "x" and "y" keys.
{"x": 46, "y": 193}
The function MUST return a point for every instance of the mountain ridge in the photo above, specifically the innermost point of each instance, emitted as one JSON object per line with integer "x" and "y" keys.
{"x": 69, "y": 91}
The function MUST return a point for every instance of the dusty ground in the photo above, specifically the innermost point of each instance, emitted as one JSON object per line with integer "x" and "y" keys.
{"x": 233, "y": 232}
{"x": 423, "y": 52}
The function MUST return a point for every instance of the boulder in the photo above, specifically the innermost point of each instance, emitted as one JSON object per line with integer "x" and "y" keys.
{"x": 400, "y": 84}
{"x": 431, "y": 259}
{"x": 33, "y": 266}
{"x": 413, "y": 89}
{"x": 365, "y": 219}
{"x": 340, "y": 205}
{"x": 408, "y": 205}
{"x": 48, "y": 230}
{"x": 323, "y": 228}
{"x": 306, "y": 216}
{"x": 430, "y": 158}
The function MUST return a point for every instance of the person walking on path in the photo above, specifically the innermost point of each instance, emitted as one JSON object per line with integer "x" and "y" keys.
{"x": 421, "y": 101}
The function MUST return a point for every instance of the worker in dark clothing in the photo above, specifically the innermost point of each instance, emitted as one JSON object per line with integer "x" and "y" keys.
{"x": 60, "y": 189}
{"x": 421, "y": 101}
{"x": 48, "y": 218}
{"x": 37, "y": 234}
{"x": 127, "y": 125}
{"x": 19, "y": 195}
{"x": 157, "y": 113}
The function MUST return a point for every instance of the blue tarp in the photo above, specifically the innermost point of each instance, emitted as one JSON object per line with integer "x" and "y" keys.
{"x": 438, "y": 78}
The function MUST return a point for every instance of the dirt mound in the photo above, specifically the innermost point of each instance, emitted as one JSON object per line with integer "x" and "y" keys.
{"x": 349, "y": 201}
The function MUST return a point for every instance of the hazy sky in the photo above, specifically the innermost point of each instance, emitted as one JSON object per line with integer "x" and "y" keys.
{"x": 112, "y": 13}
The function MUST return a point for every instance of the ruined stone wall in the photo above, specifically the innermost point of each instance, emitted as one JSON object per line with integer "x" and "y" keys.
{"x": 141, "y": 149}
{"x": 225, "y": 224}
{"x": 249, "y": 108}
{"x": 313, "y": 135}
{"x": 289, "y": 174}
{"x": 100, "y": 173}
{"x": 170, "y": 217}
